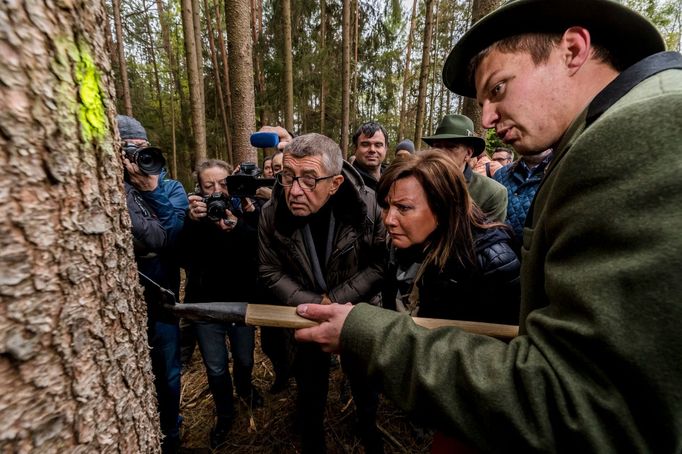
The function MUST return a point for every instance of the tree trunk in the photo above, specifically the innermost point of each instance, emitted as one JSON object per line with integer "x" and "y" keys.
{"x": 195, "y": 96}
{"x": 354, "y": 92}
{"x": 424, "y": 74}
{"x": 434, "y": 81}
{"x": 406, "y": 75}
{"x": 218, "y": 83}
{"x": 241, "y": 76}
{"x": 345, "y": 78}
{"x": 470, "y": 108}
{"x": 155, "y": 68}
{"x": 174, "y": 73}
{"x": 226, "y": 82}
{"x": 288, "y": 67}
{"x": 323, "y": 63}
{"x": 75, "y": 374}
{"x": 196, "y": 21}
{"x": 122, "y": 66}
{"x": 259, "y": 77}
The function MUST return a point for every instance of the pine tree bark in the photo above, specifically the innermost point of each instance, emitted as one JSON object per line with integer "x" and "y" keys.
{"x": 155, "y": 67}
{"x": 345, "y": 78}
{"x": 259, "y": 77}
{"x": 122, "y": 66}
{"x": 240, "y": 57}
{"x": 196, "y": 20}
{"x": 195, "y": 91}
{"x": 434, "y": 83}
{"x": 406, "y": 74}
{"x": 470, "y": 107}
{"x": 288, "y": 67}
{"x": 424, "y": 72}
{"x": 75, "y": 374}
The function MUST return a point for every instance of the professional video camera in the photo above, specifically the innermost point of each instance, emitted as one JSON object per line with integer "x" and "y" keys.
{"x": 150, "y": 160}
{"x": 245, "y": 182}
{"x": 216, "y": 204}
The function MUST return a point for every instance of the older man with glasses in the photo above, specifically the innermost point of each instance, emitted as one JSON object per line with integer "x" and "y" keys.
{"x": 322, "y": 241}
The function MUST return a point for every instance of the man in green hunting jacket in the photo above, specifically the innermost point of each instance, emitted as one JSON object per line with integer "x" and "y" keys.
{"x": 596, "y": 367}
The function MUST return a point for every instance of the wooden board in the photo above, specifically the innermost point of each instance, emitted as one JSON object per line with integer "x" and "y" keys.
{"x": 286, "y": 317}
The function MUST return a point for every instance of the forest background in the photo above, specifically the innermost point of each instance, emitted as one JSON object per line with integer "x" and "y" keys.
{"x": 201, "y": 75}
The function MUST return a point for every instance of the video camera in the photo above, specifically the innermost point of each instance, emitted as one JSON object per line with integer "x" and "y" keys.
{"x": 245, "y": 182}
{"x": 150, "y": 160}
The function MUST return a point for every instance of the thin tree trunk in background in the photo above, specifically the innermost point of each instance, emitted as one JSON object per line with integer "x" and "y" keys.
{"x": 122, "y": 66}
{"x": 216, "y": 74}
{"x": 241, "y": 77}
{"x": 197, "y": 107}
{"x": 424, "y": 74}
{"x": 470, "y": 108}
{"x": 75, "y": 373}
{"x": 354, "y": 92}
{"x": 196, "y": 20}
{"x": 173, "y": 65}
{"x": 112, "y": 48}
{"x": 288, "y": 67}
{"x": 322, "y": 46}
{"x": 345, "y": 78}
{"x": 259, "y": 79}
{"x": 434, "y": 81}
{"x": 406, "y": 75}
{"x": 174, "y": 170}
{"x": 155, "y": 68}
{"x": 226, "y": 82}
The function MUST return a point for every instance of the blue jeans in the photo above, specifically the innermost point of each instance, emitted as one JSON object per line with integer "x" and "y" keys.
{"x": 211, "y": 339}
{"x": 164, "y": 339}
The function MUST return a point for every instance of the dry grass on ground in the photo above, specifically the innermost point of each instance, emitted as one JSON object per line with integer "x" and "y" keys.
{"x": 270, "y": 429}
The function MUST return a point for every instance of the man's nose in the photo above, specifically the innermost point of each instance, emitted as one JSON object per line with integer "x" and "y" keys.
{"x": 296, "y": 188}
{"x": 489, "y": 115}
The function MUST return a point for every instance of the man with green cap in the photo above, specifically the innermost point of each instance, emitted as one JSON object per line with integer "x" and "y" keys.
{"x": 455, "y": 135}
{"x": 596, "y": 366}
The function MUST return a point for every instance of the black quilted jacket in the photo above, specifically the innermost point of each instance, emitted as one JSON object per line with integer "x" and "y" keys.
{"x": 489, "y": 292}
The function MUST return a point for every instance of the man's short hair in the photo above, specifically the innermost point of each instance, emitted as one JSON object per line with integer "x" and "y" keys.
{"x": 539, "y": 46}
{"x": 503, "y": 149}
{"x": 314, "y": 144}
{"x": 369, "y": 129}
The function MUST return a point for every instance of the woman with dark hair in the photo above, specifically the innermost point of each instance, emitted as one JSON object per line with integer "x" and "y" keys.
{"x": 446, "y": 259}
{"x": 267, "y": 167}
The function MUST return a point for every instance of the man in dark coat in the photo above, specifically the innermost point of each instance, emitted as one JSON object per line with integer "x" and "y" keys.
{"x": 596, "y": 365}
{"x": 322, "y": 241}
{"x": 371, "y": 144}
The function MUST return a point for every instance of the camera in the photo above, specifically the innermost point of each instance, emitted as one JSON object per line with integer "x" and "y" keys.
{"x": 216, "y": 204}
{"x": 148, "y": 159}
{"x": 245, "y": 182}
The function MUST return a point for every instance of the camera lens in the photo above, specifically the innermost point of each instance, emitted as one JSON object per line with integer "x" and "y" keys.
{"x": 150, "y": 160}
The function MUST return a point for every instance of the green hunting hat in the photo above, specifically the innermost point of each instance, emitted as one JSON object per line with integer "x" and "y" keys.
{"x": 628, "y": 36}
{"x": 457, "y": 128}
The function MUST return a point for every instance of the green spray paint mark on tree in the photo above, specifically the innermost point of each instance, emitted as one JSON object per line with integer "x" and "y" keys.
{"x": 91, "y": 114}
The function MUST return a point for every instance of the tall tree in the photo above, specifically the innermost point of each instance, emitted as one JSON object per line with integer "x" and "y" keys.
{"x": 241, "y": 75}
{"x": 406, "y": 72}
{"x": 257, "y": 37}
{"x": 322, "y": 49}
{"x": 345, "y": 77}
{"x": 226, "y": 80}
{"x": 288, "y": 67}
{"x": 122, "y": 65}
{"x": 74, "y": 369}
{"x": 424, "y": 72}
{"x": 195, "y": 90}
{"x": 470, "y": 108}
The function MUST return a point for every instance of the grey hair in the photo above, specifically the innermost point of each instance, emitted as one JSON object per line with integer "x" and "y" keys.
{"x": 314, "y": 144}
{"x": 209, "y": 164}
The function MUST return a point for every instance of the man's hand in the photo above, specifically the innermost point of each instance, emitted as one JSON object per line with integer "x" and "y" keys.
{"x": 284, "y": 136}
{"x": 140, "y": 180}
{"x": 328, "y": 332}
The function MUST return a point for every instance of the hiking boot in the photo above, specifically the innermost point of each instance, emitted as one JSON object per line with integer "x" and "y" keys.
{"x": 252, "y": 398}
{"x": 220, "y": 432}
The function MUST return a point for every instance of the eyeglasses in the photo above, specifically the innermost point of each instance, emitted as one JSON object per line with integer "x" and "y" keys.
{"x": 305, "y": 182}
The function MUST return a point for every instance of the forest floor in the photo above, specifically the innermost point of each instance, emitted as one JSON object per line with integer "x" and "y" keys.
{"x": 269, "y": 429}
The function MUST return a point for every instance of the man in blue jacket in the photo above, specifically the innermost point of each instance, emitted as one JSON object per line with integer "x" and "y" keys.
{"x": 596, "y": 365}
{"x": 163, "y": 201}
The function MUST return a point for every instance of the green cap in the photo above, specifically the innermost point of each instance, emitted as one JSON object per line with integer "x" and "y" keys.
{"x": 457, "y": 128}
{"x": 628, "y": 36}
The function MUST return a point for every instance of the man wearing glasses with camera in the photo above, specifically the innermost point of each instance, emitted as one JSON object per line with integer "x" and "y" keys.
{"x": 321, "y": 241}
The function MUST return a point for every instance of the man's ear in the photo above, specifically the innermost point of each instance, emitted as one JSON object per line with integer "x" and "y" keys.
{"x": 336, "y": 184}
{"x": 575, "y": 45}
{"x": 470, "y": 152}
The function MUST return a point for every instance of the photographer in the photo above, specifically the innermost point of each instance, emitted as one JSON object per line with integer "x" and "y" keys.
{"x": 219, "y": 245}
{"x": 157, "y": 210}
